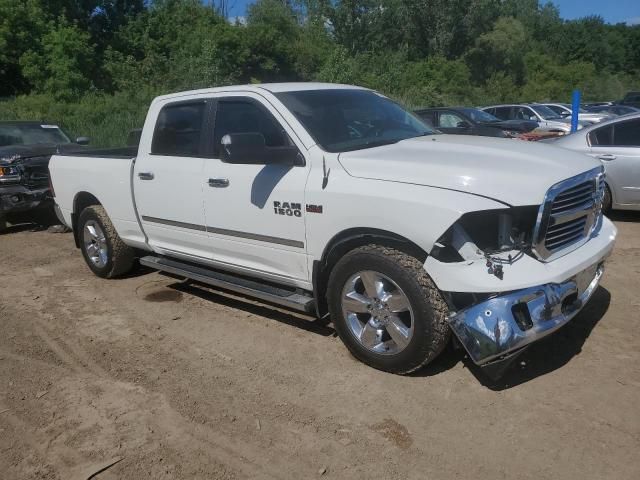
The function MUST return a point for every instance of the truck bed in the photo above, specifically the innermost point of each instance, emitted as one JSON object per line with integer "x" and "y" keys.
{"x": 103, "y": 174}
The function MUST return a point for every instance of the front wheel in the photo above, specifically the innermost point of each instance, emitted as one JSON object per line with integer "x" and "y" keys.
{"x": 104, "y": 251}
{"x": 387, "y": 310}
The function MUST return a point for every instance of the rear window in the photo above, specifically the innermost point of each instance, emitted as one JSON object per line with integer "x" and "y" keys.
{"x": 602, "y": 137}
{"x": 179, "y": 130}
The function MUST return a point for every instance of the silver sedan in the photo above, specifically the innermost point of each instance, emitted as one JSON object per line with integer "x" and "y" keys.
{"x": 616, "y": 143}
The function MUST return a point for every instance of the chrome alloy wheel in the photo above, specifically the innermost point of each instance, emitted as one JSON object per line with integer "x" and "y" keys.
{"x": 95, "y": 244}
{"x": 377, "y": 312}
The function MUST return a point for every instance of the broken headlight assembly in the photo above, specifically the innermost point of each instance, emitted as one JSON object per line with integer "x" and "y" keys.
{"x": 496, "y": 235}
{"x": 9, "y": 174}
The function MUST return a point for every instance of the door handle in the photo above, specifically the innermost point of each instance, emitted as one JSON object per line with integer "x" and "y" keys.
{"x": 607, "y": 157}
{"x": 219, "y": 182}
{"x": 145, "y": 175}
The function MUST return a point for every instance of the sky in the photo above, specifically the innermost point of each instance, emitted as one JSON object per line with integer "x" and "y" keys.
{"x": 613, "y": 11}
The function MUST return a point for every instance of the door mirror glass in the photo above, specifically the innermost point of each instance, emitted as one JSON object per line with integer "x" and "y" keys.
{"x": 250, "y": 149}
{"x": 83, "y": 140}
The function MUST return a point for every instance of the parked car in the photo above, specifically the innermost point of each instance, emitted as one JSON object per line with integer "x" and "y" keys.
{"x": 25, "y": 149}
{"x": 333, "y": 199}
{"x": 548, "y": 120}
{"x": 588, "y": 105}
{"x": 472, "y": 121}
{"x": 565, "y": 110}
{"x": 631, "y": 99}
{"x": 614, "y": 110}
{"x": 616, "y": 143}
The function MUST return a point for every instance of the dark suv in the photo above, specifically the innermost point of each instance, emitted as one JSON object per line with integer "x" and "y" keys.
{"x": 472, "y": 121}
{"x": 25, "y": 149}
{"x": 632, "y": 99}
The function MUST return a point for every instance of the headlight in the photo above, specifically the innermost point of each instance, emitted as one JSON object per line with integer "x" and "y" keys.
{"x": 9, "y": 174}
{"x": 485, "y": 233}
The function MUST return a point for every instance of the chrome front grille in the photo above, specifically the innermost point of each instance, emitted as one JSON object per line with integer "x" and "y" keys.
{"x": 569, "y": 214}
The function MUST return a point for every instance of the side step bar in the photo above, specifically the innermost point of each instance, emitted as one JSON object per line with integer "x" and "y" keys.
{"x": 293, "y": 299}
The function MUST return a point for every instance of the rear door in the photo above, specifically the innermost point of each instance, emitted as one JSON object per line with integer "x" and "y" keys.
{"x": 255, "y": 214}
{"x": 618, "y": 147}
{"x": 168, "y": 178}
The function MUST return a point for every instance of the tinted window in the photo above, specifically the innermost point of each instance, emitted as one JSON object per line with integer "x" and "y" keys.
{"x": 428, "y": 117}
{"x": 243, "y": 116}
{"x": 525, "y": 113}
{"x": 545, "y": 112}
{"x": 480, "y": 116}
{"x": 627, "y": 133}
{"x": 178, "y": 130}
{"x": 343, "y": 119}
{"x": 558, "y": 110}
{"x": 602, "y": 136}
{"x": 449, "y": 120}
{"x": 503, "y": 113}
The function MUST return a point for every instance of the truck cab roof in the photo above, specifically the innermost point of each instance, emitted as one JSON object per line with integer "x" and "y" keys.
{"x": 261, "y": 87}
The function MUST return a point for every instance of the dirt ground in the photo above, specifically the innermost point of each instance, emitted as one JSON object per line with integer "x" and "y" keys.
{"x": 173, "y": 381}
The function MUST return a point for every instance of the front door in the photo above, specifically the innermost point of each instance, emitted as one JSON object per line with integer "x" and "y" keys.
{"x": 255, "y": 214}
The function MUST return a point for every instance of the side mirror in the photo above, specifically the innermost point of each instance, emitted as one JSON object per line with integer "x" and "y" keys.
{"x": 83, "y": 140}
{"x": 250, "y": 149}
{"x": 464, "y": 125}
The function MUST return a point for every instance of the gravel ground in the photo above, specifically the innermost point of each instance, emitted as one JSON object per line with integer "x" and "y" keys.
{"x": 148, "y": 377}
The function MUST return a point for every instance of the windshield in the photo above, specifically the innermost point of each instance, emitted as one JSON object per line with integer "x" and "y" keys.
{"x": 479, "y": 116}
{"x": 341, "y": 120}
{"x": 545, "y": 112}
{"x": 30, "y": 134}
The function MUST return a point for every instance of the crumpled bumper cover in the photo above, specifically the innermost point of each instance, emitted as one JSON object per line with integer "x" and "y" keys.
{"x": 501, "y": 325}
{"x": 18, "y": 198}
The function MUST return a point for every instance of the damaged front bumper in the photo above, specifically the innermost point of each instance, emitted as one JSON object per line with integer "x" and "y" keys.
{"x": 496, "y": 328}
{"x": 19, "y": 198}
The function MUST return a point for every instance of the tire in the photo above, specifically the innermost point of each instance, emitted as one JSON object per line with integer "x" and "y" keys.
{"x": 110, "y": 256}
{"x": 4, "y": 226}
{"x": 401, "y": 280}
{"x": 606, "y": 201}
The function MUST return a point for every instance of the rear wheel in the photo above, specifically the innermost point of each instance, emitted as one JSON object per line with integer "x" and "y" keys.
{"x": 103, "y": 250}
{"x": 387, "y": 310}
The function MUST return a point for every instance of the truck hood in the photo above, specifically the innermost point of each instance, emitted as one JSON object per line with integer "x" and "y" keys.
{"x": 510, "y": 171}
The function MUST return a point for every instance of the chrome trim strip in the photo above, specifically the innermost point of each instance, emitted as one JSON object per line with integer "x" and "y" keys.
{"x": 173, "y": 223}
{"x": 255, "y": 236}
{"x": 229, "y": 233}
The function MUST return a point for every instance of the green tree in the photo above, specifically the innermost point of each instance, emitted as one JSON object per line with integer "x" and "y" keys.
{"x": 61, "y": 63}
{"x": 22, "y": 24}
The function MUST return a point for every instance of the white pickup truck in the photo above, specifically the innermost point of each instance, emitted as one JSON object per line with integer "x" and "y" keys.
{"x": 334, "y": 200}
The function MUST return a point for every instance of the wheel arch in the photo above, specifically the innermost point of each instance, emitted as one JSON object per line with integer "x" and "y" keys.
{"x": 348, "y": 240}
{"x": 81, "y": 201}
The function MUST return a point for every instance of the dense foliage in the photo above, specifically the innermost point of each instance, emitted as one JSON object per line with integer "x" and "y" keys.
{"x": 93, "y": 65}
